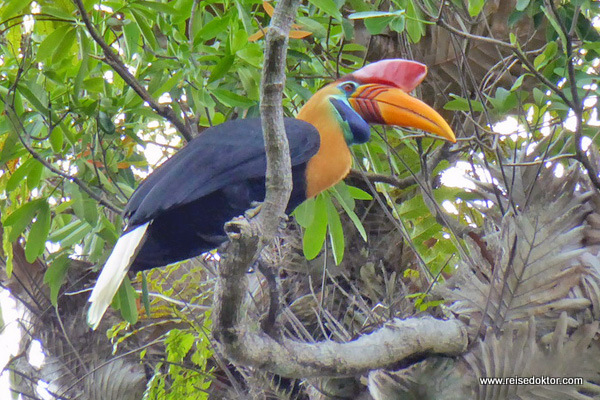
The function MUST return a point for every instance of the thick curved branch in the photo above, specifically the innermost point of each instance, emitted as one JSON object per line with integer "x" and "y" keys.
{"x": 113, "y": 60}
{"x": 388, "y": 345}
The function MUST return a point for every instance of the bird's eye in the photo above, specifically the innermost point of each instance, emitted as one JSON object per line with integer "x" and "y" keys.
{"x": 348, "y": 87}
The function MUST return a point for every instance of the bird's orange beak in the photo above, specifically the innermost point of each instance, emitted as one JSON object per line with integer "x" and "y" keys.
{"x": 387, "y": 105}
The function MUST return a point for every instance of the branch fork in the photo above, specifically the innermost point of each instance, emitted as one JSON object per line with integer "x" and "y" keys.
{"x": 264, "y": 349}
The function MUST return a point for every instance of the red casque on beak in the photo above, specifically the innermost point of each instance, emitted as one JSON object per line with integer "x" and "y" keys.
{"x": 382, "y": 97}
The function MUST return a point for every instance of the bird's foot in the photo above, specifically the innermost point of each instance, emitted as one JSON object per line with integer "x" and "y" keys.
{"x": 237, "y": 227}
{"x": 253, "y": 212}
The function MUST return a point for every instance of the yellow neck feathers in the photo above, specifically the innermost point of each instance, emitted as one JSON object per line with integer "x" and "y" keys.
{"x": 332, "y": 162}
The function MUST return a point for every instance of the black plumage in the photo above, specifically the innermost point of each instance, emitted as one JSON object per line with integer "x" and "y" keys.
{"x": 214, "y": 178}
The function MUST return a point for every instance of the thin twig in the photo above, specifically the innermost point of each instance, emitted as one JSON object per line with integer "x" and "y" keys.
{"x": 18, "y": 123}
{"x": 518, "y": 53}
{"x": 113, "y": 60}
{"x": 577, "y": 104}
{"x": 383, "y": 178}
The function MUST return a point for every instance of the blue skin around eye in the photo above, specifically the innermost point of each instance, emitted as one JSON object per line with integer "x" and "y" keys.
{"x": 361, "y": 131}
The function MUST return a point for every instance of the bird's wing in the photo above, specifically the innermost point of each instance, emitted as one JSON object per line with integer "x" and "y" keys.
{"x": 220, "y": 156}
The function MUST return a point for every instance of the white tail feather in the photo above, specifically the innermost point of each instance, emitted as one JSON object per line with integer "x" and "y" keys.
{"x": 113, "y": 273}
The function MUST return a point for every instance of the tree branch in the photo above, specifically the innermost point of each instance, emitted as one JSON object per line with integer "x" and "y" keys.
{"x": 248, "y": 236}
{"x": 386, "y": 346}
{"x": 400, "y": 183}
{"x": 113, "y": 60}
{"x": 515, "y": 49}
{"x": 577, "y": 105}
{"x": 279, "y": 168}
{"x": 13, "y": 117}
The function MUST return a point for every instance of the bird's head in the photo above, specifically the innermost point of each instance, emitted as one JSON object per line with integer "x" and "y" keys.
{"x": 378, "y": 94}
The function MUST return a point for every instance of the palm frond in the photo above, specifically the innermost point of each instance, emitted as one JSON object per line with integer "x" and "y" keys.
{"x": 517, "y": 352}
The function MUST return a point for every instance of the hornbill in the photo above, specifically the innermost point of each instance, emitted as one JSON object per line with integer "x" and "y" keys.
{"x": 179, "y": 210}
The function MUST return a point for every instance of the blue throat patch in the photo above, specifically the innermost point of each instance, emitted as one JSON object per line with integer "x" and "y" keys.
{"x": 356, "y": 130}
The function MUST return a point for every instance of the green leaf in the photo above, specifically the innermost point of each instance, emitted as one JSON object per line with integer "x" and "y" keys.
{"x": 221, "y": 68}
{"x": 310, "y": 25}
{"x": 336, "y": 232}
{"x": 57, "y": 12}
{"x": 522, "y": 4}
{"x": 243, "y": 16}
{"x": 155, "y": 5}
{"x": 475, "y": 7}
{"x": 170, "y": 84}
{"x": 538, "y": 62}
{"x": 415, "y": 26}
{"x": 555, "y": 25}
{"x": 353, "y": 217}
{"x": 546, "y": 56}
{"x": 374, "y": 14}
{"x": 551, "y": 49}
{"x": 84, "y": 66}
{"x": 462, "y": 104}
{"x": 343, "y": 191}
{"x": 250, "y": 81}
{"x": 413, "y": 208}
{"x": 21, "y": 217}
{"x": 315, "y": 234}
{"x": 231, "y": 99}
{"x": 63, "y": 48}
{"x": 48, "y": 46}
{"x": 178, "y": 343}
{"x": 539, "y": 96}
{"x": 125, "y": 301}
{"x": 85, "y": 208}
{"x": 19, "y": 174}
{"x": 61, "y": 233}
{"x": 105, "y": 123}
{"x": 146, "y": 30}
{"x": 359, "y": 5}
{"x": 305, "y": 213}
{"x": 76, "y": 235}
{"x": 56, "y": 140}
{"x": 398, "y": 24}
{"x": 95, "y": 84}
{"x": 36, "y": 240}
{"x": 55, "y": 276}
{"x": 11, "y": 148}
{"x": 238, "y": 40}
{"x": 12, "y": 8}
{"x": 252, "y": 54}
{"x": 347, "y": 30}
{"x": 211, "y": 29}
{"x": 329, "y": 7}
{"x": 504, "y": 100}
{"x": 131, "y": 33}
{"x": 145, "y": 295}
{"x": 358, "y": 193}
{"x": 35, "y": 175}
{"x": 518, "y": 82}
{"x": 377, "y": 25}
{"x": 7, "y": 249}
{"x": 35, "y": 95}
